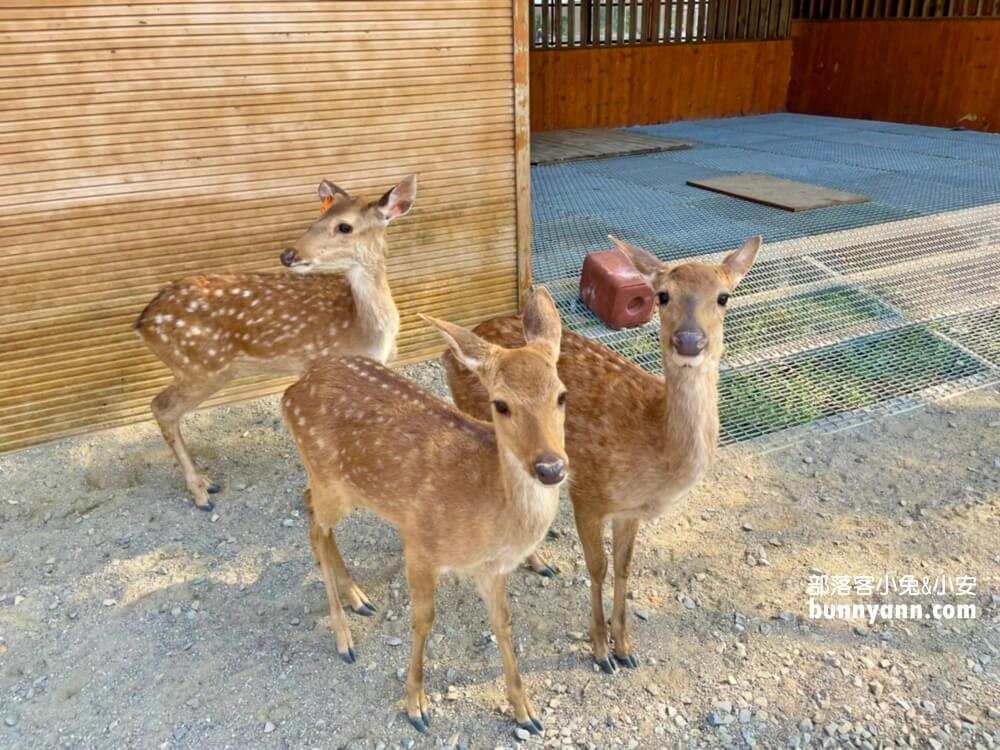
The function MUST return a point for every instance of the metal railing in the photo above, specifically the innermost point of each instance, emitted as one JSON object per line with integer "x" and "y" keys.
{"x": 817, "y": 10}
{"x": 614, "y": 23}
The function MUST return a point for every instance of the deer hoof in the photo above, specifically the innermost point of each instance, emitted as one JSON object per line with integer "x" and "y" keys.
{"x": 349, "y": 656}
{"x": 533, "y": 725}
{"x": 213, "y": 488}
{"x": 607, "y": 666}
{"x": 628, "y": 661}
{"x": 365, "y": 610}
{"x": 208, "y": 507}
{"x": 548, "y": 572}
{"x": 418, "y": 722}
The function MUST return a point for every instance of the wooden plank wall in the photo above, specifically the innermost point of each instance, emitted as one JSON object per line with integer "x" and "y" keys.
{"x": 145, "y": 141}
{"x": 943, "y": 72}
{"x": 621, "y": 86}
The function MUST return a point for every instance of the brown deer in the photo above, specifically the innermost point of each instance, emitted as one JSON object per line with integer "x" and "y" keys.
{"x": 335, "y": 301}
{"x": 637, "y": 443}
{"x": 466, "y": 496}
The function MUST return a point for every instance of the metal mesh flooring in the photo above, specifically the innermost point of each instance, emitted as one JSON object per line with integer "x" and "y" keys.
{"x": 851, "y": 311}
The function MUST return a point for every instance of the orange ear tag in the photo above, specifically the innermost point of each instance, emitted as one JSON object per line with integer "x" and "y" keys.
{"x": 327, "y": 202}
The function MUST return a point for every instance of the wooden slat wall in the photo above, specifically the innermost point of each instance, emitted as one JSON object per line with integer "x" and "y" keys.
{"x": 621, "y": 86}
{"x": 145, "y": 141}
{"x": 932, "y": 72}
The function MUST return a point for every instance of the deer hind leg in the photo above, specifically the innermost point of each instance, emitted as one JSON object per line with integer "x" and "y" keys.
{"x": 540, "y": 565}
{"x": 422, "y": 582}
{"x": 623, "y": 546}
{"x": 325, "y": 550}
{"x": 591, "y": 530}
{"x": 351, "y": 595}
{"x": 493, "y": 588}
{"x": 169, "y": 407}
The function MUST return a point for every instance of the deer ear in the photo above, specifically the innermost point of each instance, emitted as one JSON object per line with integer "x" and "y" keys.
{"x": 470, "y": 349}
{"x": 647, "y": 264}
{"x": 327, "y": 190}
{"x": 541, "y": 321}
{"x": 398, "y": 201}
{"x": 740, "y": 260}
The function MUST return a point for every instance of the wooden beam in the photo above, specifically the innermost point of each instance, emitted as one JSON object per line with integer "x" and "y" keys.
{"x": 522, "y": 148}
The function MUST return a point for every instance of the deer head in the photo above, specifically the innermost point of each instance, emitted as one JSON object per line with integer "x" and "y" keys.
{"x": 527, "y": 397}
{"x": 351, "y": 230}
{"x": 692, "y": 299}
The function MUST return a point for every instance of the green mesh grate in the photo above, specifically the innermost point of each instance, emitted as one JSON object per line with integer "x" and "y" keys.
{"x": 860, "y": 373}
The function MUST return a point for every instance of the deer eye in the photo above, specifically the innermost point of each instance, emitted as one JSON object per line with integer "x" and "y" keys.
{"x": 562, "y": 399}
{"x": 663, "y": 297}
{"x": 723, "y": 299}
{"x": 501, "y": 407}
{"x": 344, "y": 228}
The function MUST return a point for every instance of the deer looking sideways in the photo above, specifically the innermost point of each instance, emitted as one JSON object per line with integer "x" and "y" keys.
{"x": 466, "y": 496}
{"x": 211, "y": 329}
{"x": 637, "y": 443}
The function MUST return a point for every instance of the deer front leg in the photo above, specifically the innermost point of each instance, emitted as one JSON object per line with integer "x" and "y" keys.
{"x": 623, "y": 546}
{"x": 322, "y": 544}
{"x": 591, "y": 531}
{"x": 493, "y": 589}
{"x": 169, "y": 407}
{"x": 422, "y": 581}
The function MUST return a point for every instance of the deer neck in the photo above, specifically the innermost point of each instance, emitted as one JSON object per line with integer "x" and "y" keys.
{"x": 378, "y": 317}
{"x": 530, "y": 505}
{"x": 690, "y": 416}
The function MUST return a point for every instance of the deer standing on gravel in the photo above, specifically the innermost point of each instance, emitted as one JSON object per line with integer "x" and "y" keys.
{"x": 335, "y": 301}
{"x": 466, "y": 496}
{"x": 637, "y": 443}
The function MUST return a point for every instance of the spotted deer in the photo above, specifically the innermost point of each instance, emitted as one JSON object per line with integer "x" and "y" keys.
{"x": 334, "y": 301}
{"x": 637, "y": 443}
{"x": 466, "y": 496}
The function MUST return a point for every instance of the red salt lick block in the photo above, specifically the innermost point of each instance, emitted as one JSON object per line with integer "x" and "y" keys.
{"x": 614, "y": 290}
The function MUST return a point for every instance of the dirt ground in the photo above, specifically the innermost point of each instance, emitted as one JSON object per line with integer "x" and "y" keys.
{"x": 130, "y": 620}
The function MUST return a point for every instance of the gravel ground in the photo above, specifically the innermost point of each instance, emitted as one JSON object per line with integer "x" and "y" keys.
{"x": 130, "y": 620}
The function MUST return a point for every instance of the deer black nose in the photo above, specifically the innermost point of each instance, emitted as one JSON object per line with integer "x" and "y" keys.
{"x": 288, "y": 257}
{"x": 550, "y": 469}
{"x": 689, "y": 343}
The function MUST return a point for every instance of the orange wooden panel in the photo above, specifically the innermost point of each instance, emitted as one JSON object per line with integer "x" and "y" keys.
{"x": 943, "y": 72}
{"x": 622, "y": 86}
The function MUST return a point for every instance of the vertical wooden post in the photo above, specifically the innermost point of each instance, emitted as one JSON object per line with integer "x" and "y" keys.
{"x": 522, "y": 149}
{"x": 557, "y": 22}
{"x": 711, "y": 23}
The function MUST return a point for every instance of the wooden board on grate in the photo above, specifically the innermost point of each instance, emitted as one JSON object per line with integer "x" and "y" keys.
{"x": 778, "y": 193}
{"x": 554, "y": 146}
